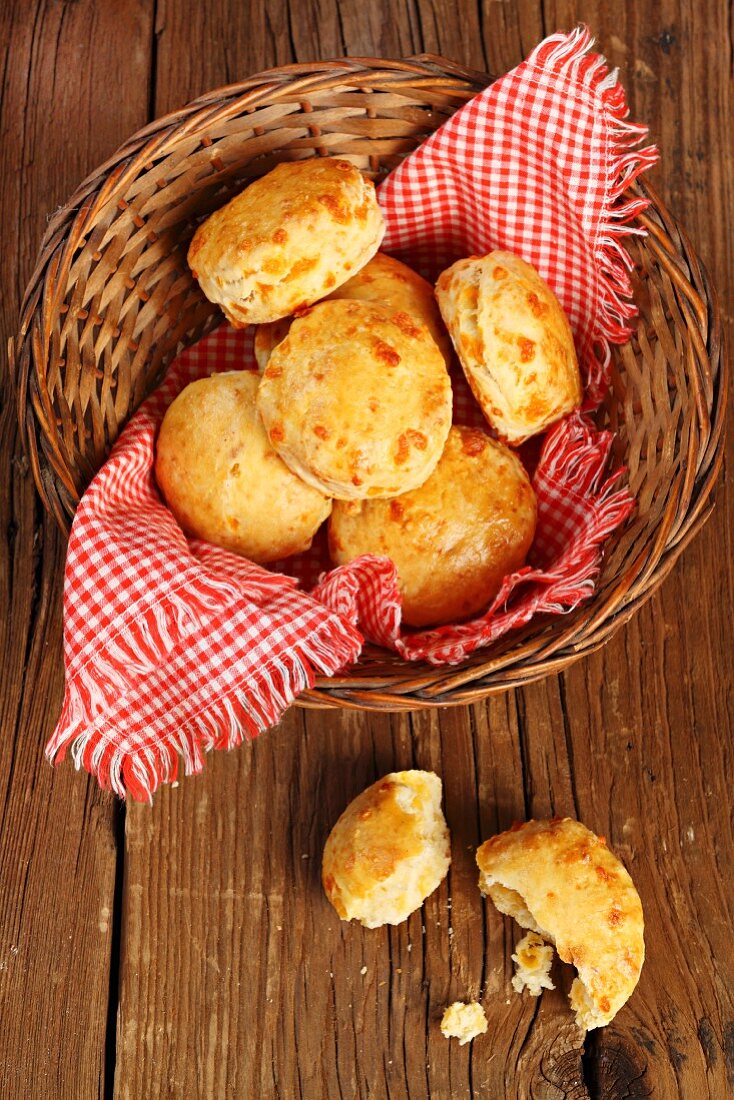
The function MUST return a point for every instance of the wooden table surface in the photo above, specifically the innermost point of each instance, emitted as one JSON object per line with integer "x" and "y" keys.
{"x": 187, "y": 949}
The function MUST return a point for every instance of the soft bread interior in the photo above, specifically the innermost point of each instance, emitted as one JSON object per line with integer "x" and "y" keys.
{"x": 513, "y": 904}
{"x": 533, "y": 959}
{"x": 464, "y": 1021}
{"x": 586, "y": 1015}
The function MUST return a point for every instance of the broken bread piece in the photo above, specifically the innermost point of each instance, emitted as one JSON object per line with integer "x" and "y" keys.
{"x": 463, "y": 1021}
{"x": 533, "y": 958}
{"x": 388, "y": 851}
{"x": 558, "y": 879}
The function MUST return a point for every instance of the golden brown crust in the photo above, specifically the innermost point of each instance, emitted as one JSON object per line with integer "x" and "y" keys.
{"x": 455, "y": 538}
{"x": 388, "y": 850}
{"x": 223, "y": 481}
{"x": 267, "y": 338}
{"x": 513, "y": 340}
{"x": 356, "y": 406}
{"x": 559, "y": 879}
{"x": 384, "y": 281}
{"x": 287, "y": 239}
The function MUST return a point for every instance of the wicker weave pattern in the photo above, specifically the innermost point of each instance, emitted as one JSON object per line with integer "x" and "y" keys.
{"x": 111, "y": 303}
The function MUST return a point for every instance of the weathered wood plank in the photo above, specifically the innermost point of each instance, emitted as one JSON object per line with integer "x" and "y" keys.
{"x": 650, "y": 717}
{"x": 236, "y": 977}
{"x": 57, "y": 830}
{"x": 275, "y": 1000}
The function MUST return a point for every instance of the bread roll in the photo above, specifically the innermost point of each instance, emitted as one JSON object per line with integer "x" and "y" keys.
{"x": 514, "y": 343}
{"x": 384, "y": 281}
{"x": 290, "y": 238}
{"x": 388, "y": 851}
{"x": 561, "y": 881}
{"x": 224, "y": 482}
{"x": 357, "y": 400}
{"x": 455, "y": 538}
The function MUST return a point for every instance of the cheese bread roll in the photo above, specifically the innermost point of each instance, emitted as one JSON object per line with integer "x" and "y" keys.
{"x": 357, "y": 400}
{"x": 514, "y": 343}
{"x": 224, "y": 482}
{"x": 287, "y": 240}
{"x": 455, "y": 538}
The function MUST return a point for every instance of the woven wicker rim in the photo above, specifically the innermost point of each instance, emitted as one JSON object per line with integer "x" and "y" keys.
{"x": 667, "y": 402}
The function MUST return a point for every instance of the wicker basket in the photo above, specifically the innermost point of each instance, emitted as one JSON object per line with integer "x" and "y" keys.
{"x": 111, "y": 302}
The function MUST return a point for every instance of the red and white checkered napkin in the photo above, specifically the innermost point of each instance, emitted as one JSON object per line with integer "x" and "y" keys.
{"x": 173, "y": 646}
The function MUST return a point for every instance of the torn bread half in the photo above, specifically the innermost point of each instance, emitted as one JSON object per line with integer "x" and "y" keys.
{"x": 559, "y": 880}
{"x": 388, "y": 851}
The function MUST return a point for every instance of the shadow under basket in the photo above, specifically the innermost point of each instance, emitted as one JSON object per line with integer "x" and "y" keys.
{"x": 112, "y": 302}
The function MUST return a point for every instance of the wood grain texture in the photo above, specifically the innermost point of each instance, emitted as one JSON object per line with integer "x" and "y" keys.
{"x": 58, "y": 848}
{"x": 278, "y": 1003}
{"x": 235, "y": 977}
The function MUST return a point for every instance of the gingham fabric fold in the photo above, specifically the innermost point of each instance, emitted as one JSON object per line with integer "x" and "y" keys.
{"x": 172, "y": 646}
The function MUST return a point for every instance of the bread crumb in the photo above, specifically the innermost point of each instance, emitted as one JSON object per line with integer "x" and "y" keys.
{"x": 363, "y": 970}
{"x": 532, "y": 958}
{"x": 463, "y": 1021}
